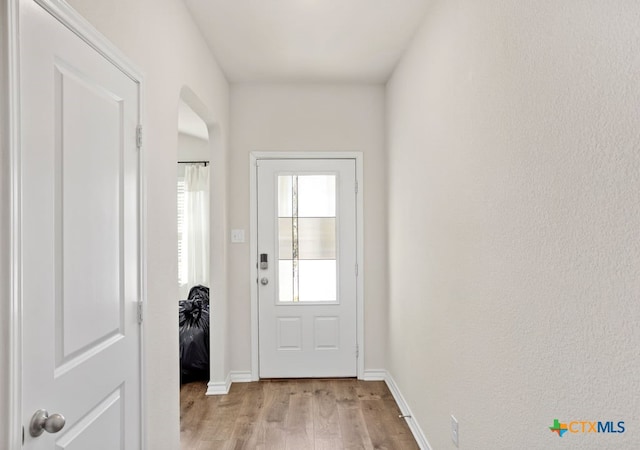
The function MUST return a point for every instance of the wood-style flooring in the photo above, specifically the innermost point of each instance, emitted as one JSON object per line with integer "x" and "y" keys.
{"x": 293, "y": 415}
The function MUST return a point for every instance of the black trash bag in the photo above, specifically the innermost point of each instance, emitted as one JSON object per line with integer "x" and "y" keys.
{"x": 199, "y": 292}
{"x": 193, "y": 318}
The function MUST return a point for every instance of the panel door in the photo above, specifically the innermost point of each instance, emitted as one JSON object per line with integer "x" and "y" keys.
{"x": 307, "y": 268}
{"x": 80, "y": 240}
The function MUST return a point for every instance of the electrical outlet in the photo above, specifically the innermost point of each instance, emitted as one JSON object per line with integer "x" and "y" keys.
{"x": 454, "y": 430}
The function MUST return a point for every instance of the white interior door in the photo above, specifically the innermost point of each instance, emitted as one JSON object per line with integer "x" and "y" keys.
{"x": 307, "y": 269}
{"x": 80, "y": 241}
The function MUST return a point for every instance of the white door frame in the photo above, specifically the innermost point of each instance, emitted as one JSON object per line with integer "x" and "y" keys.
{"x": 253, "y": 245}
{"x": 68, "y": 17}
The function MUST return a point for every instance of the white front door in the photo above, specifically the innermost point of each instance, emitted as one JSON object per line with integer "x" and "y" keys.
{"x": 307, "y": 268}
{"x": 80, "y": 241}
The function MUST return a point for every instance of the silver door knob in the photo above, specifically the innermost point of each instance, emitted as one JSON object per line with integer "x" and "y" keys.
{"x": 42, "y": 421}
{"x": 264, "y": 281}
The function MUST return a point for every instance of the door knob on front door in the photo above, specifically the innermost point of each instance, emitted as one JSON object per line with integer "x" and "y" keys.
{"x": 264, "y": 281}
{"x": 42, "y": 421}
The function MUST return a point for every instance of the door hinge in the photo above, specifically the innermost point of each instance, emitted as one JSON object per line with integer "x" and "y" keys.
{"x": 139, "y": 312}
{"x": 357, "y": 351}
{"x": 139, "y": 136}
{"x": 357, "y": 186}
{"x": 356, "y": 269}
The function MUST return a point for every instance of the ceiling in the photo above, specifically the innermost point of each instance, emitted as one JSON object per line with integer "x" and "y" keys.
{"x": 308, "y": 40}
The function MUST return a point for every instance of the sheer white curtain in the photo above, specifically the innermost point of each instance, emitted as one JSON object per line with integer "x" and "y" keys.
{"x": 196, "y": 223}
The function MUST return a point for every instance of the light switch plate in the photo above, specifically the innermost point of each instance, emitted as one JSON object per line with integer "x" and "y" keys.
{"x": 237, "y": 236}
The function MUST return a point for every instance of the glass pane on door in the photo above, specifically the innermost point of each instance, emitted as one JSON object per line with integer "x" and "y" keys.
{"x": 307, "y": 257}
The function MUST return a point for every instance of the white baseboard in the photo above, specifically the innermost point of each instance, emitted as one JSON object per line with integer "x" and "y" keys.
{"x": 374, "y": 375}
{"x": 417, "y": 432}
{"x": 219, "y": 387}
{"x": 222, "y": 387}
{"x": 241, "y": 376}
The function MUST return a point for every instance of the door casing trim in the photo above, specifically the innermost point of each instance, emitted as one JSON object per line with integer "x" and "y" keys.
{"x": 77, "y": 24}
{"x": 254, "y": 157}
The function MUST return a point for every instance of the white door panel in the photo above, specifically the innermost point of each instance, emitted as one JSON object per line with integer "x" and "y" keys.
{"x": 307, "y": 292}
{"x": 87, "y": 199}
{"x": 105, "y": 415}
{"x": 80, "y": 239}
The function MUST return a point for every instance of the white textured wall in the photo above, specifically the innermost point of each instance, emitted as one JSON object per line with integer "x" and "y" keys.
{"x": 191, "y": 148}
{"x": 309, "y": 117}
{"x": 514, "y": 213}
{"x": 160, "y": 37}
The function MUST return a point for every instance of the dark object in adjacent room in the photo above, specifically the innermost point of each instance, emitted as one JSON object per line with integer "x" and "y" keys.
{"x": 193, "y": 316}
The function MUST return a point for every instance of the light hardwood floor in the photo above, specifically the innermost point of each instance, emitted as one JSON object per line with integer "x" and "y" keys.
{"x": 293, "y": 415}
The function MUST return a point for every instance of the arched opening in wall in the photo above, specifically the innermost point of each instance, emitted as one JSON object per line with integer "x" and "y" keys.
{"x": 193, "y": 184}
{"x": 203, "y": 365}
